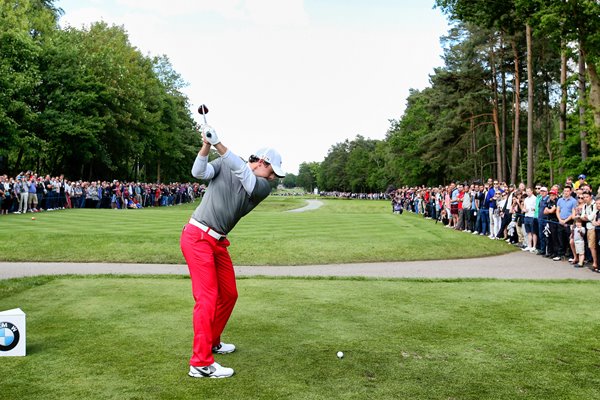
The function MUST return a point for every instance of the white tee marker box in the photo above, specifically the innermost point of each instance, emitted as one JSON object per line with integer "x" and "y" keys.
{"x": 12, "y": 333}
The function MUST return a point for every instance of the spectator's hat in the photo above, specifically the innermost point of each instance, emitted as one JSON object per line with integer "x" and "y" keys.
{"x": 271, "y": 156}
{"x": 582, "y": 176}
{"x": 543, "y": 189}
{"x": 553, "y": 191}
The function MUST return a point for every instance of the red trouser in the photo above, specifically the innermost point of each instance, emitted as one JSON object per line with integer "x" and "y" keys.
{"x": 213, "y": 287}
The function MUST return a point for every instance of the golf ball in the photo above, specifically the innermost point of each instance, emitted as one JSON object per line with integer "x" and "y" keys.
{"x": 340, "y": 354}
{"x": 33, "y": 218}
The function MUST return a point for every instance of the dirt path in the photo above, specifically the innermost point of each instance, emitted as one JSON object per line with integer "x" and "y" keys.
{"x": 517, "y": 265}
{"x": 312, "y": 205}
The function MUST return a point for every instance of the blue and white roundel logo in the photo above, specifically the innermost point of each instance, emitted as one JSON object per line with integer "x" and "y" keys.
{"x": 9, "y": 336}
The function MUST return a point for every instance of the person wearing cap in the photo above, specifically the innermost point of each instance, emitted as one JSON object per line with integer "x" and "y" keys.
{"x": 580, "y": 181}
{"x": 235, "y": 188}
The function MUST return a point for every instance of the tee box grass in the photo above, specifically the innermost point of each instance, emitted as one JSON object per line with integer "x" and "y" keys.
{"x": 105, "y": 337}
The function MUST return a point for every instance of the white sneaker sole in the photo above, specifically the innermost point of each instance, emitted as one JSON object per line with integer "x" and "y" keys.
{"x": 223, "y": 352}
{"x": 204, "y": 376}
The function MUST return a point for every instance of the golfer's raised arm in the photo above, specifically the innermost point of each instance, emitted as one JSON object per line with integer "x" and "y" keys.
{"x": 238, "y": 166}
{"x": 201, "y": 168}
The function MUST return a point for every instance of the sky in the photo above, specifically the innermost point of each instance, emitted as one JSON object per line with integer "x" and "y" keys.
{"x": 296, "y": 75}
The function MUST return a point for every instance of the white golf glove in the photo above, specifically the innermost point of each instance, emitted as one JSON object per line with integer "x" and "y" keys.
{"x": 209, "y": 134}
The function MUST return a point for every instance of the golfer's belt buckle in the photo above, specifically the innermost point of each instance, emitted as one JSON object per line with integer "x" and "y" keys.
{"x": 207, "y": 229}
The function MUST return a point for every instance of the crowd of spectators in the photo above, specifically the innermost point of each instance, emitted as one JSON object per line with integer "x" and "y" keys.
{"x": 560, "y": 222}
{"x": 28, "y": 192}
{"x": 352, "y": 195}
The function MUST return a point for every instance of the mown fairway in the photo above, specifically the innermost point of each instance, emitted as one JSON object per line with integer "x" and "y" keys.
{"x": 342, "y": 231}
{"x": 130, "y": 338}
{"x": 110, "y": 337}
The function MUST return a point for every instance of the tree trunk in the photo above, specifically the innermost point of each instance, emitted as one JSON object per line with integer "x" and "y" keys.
{"x": 581, "y": 102}
{"x": 504, "y": 116}
{"x": 595, "y": 94}
{"x": 517, "y": 105}
{"x": 473, "y": 145}
{"x": 158, "y": 171}
{"x": 499, "y": 175}
{"x": 562, "y": 123}
{"x": 548, "y": 129}
{"x": 529, "y": 107}
{"x": 17, "y": 168}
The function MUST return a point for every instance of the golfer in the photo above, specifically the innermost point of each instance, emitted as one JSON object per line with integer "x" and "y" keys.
{"x": 235, "y": 188}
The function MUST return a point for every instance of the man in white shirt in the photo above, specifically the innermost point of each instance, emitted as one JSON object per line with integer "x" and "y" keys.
{"x": 530, "y": 209}
{"x": 588, "y": 215}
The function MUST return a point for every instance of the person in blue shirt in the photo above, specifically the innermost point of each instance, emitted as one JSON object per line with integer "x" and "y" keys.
{"x": 564, "y": 209}
{"x": 490, "y": 204}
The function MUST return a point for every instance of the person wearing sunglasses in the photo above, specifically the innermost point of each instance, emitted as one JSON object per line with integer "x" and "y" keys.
{"x": 235, "y": 188}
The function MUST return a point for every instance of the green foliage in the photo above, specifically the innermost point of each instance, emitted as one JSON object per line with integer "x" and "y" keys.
{"x": 290, "y": 181}
{"x": 307, "y": 176}
{"x": 86, "y": 103}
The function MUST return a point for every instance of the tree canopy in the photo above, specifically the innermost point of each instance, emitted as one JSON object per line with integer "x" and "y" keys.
{"x": 517, "y": 98}
{"x": 87, "y": 103}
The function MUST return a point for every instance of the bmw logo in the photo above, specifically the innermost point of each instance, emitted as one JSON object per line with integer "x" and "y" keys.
{"x": 9, "y": 336}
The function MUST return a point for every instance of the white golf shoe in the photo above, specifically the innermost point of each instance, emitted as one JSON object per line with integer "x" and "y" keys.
{"x": 224, "y": 348}
{"x": 214, "y": 370}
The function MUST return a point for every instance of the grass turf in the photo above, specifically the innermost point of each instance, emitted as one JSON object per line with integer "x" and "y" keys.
{"x": 130, "y": 338}
{"x": 342, "y": 231}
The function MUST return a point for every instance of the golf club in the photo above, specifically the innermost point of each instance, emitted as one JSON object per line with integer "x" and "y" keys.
{"x": 203, "y": 110}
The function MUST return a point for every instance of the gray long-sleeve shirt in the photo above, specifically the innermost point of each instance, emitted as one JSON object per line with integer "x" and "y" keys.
{"x": 233, "y": 191}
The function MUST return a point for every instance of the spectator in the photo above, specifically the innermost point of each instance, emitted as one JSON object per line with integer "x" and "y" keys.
{"x": 542, "y": 223}
{"x": 32, "y": 202}
{"x": 517, "y": 218}
{"x": 596, "y": 225}
{"x": 529, "y": 204}
{"x": 91, "y": 198}
{"x": 580, "y": 181}
{"x": 565, "y": 206}
{"x": 465, "y": 209}
{"x": 40, "y": 193}
{"x": 77, "y": 194}
{"x": 551, "y": 214}
{"x": 483, "y": 208}
{"x": 454, "y": 191}
{"x": 3, "y": 196}
{"x": 588, "y": 215}
{"x": 50, "y": 197}
{"x": 577, "y": 242}
{"x": 21, "y": 189}
{"x": 506, "y": 207}
{"x": 490, "y": 201}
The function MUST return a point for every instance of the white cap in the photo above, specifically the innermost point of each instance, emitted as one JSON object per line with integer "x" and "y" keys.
{"x": 271, "y": 156}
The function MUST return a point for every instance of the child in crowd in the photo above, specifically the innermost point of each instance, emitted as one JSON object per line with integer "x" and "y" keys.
{"x": 578, "y": 242}
{"x": 444, "y": 217}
